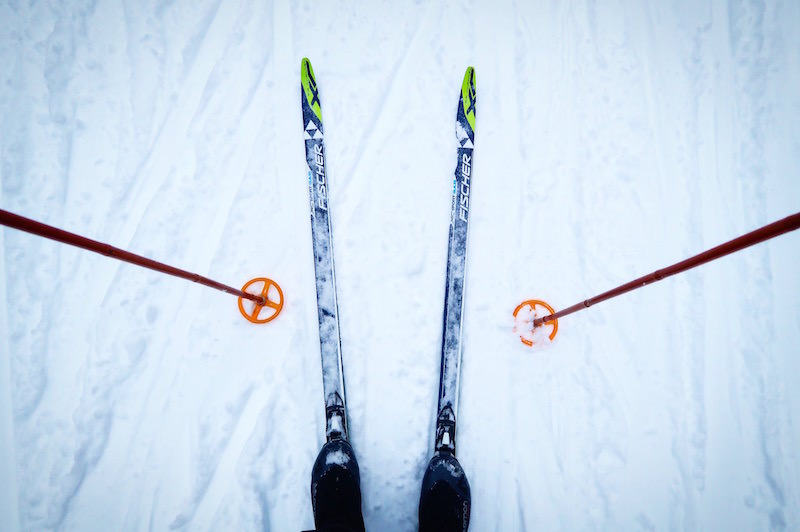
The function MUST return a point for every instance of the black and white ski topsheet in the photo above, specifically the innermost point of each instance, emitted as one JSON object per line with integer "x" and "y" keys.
{"x": 327, "y": 307}
{"x": 456, "y": 268}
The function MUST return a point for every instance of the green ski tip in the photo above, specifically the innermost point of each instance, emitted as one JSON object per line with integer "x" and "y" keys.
{"x": 468, "y": 96}
{"x": 309, "y": 84}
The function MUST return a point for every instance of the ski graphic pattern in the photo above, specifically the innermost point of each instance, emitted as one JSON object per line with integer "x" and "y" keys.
{"x": 327, "y": 306}
{"x": 456, "y": 269}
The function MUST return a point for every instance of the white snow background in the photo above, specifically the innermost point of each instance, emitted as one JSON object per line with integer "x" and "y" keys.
{"x": 612, "y": 139}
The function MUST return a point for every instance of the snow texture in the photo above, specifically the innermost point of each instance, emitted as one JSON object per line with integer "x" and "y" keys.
{"x": 612, "y": 139}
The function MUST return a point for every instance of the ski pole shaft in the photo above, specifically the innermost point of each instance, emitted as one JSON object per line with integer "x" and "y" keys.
{"x": 59, "y": 235}
{"x": 790, "y": 223}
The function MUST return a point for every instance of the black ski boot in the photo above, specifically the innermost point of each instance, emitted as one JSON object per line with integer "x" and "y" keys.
{"x": 445, "y": 500}
{"x": 336, "y": 489}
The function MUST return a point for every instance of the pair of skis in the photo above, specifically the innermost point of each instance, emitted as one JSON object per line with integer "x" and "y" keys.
{"x": 443, "y": 467}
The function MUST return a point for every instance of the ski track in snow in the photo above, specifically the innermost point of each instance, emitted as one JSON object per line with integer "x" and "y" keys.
{"x": 611, "y": 140}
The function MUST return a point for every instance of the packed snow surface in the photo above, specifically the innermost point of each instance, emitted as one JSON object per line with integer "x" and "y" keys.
{"x": 612, "y": 139}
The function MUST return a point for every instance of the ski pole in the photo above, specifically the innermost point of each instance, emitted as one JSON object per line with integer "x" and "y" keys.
{"x": 21, "y": 223}
{"x": 790, "y": 223}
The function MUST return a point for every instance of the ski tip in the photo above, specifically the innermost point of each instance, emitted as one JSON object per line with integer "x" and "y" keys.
{"x": 469, "y": 76}
{"x": 468, "y": 96}
{"x": 309, "y": 85}
{"x": 305, "y": 64}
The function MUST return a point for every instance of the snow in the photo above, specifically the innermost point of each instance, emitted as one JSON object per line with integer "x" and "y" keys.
{"x": 611, "y": 140}
{"x": 337, "y": 457}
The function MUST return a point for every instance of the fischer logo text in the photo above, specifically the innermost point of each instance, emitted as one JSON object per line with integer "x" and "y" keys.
{"x": 466, "y": 170}
{"x": 319, "y": 159}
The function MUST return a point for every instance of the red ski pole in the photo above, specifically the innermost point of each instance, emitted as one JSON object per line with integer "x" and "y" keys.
{"x": 790, "y": 223}
{"x": 261, "y": 300}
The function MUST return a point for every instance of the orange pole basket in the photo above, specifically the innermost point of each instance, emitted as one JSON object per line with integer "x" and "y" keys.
{"x": 532, "y": 304}
{"x": 273, "y": 300}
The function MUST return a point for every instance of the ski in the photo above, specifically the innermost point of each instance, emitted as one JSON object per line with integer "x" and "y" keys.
{"x": 445, "y": 499}
{"x": 327, "y": 306}
{"x": 456, "y": 269}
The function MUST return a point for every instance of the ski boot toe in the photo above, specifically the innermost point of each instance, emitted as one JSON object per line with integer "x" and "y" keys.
{"x": 336, "y": 489}
{"x": 445, "y": 501}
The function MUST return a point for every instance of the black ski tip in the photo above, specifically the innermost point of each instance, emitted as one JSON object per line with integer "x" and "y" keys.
{"x": 445, "y": 501}
{"x": 336, "y": 488}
